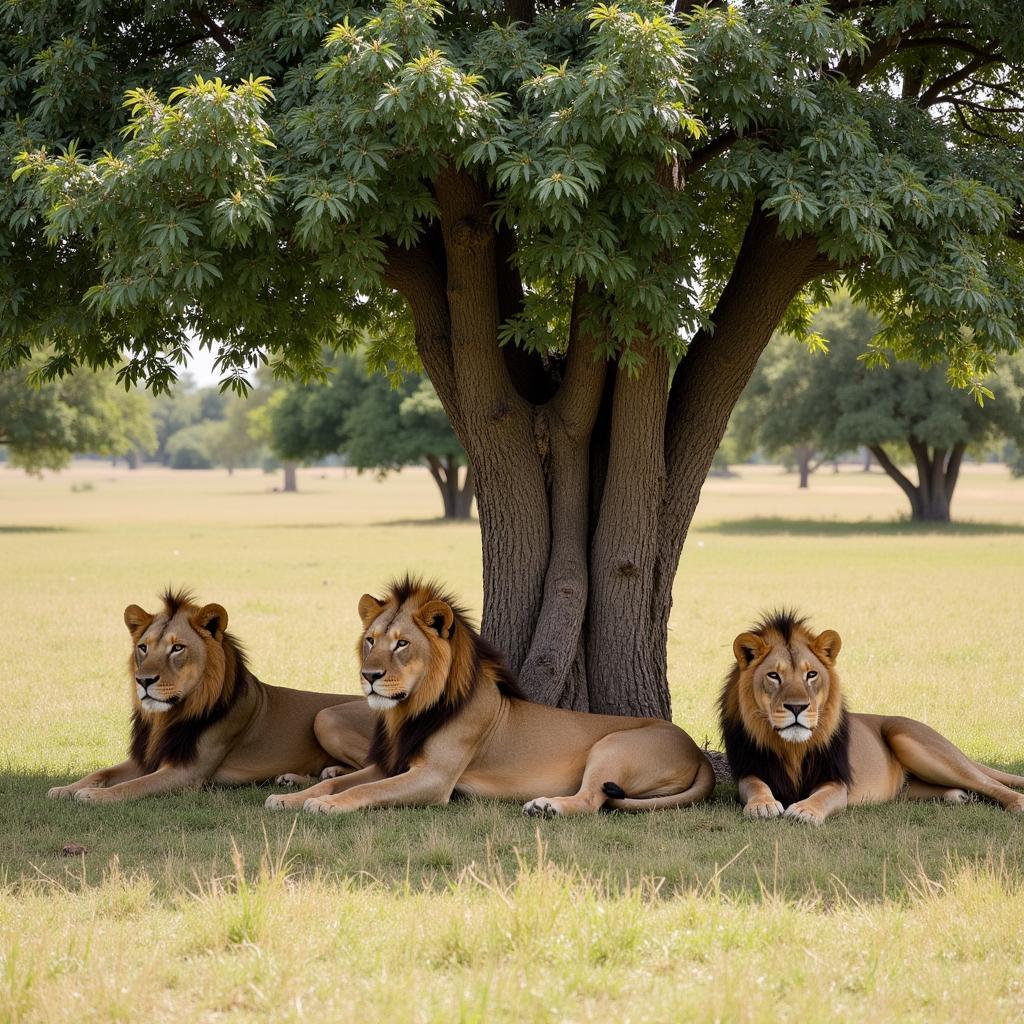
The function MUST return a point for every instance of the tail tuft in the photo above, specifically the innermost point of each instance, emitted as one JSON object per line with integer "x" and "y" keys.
{"x": 616, "y": 792}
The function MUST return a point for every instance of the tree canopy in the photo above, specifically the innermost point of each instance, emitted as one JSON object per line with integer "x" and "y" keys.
{"x": 836, "y": 402}
{"x": 588, "y": 219}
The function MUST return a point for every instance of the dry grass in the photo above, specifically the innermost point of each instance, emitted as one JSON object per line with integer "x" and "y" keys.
{"x": 903, "y": 912}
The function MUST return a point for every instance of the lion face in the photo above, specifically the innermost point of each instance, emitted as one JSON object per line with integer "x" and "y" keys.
{"x": 404, "y": 651}
{"x": 787, "y": 684}
{"x": 173, "y": 651}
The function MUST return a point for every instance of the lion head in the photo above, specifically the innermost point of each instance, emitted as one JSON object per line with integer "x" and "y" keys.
{"x": 181, "y": 656}
{"x": 784, "y": 686}
{"x": 420, "y": 660}
{"x": 415, "y": 648}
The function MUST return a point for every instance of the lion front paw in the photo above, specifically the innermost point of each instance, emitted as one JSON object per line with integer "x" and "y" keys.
{"x": 806, "y": 812}
{"x": 334, "y": 771}
{"x": 325, "y": 805}
{"x": 283, "y": 802}
{"x": 60, "y": 793}
{"x": 542, "y": 807}
{"x": 93, "y": 795}
{"x": 762, "y": 809}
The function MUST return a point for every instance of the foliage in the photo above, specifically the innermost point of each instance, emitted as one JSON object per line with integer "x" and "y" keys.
{"x": 270, "y": 160}
{"x": 842, "y": 401}
{"x": 44, "y": 426}
{"x": 196, "y": 446}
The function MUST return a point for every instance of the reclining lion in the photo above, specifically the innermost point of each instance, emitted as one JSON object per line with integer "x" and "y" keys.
{"x": 452, "y": 720}
{"x": 795, "y": 750}
{"x": 201, "y": 716}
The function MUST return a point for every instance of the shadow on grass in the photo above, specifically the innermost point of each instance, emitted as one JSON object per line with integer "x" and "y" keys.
{"x": 34, "y": 529}
{"x": 767, "y": 526}
{"x": 177, "y": 838}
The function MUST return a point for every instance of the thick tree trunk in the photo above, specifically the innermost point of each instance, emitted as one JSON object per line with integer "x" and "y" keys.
{"x": 290, "y": 480}
{"x": 937, "y": 472}
{"x": 457, "y": 500}
{"x": 586, "y": 478}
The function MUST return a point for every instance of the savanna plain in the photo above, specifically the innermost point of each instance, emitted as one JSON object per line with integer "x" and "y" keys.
{"x": 204, "y": 907}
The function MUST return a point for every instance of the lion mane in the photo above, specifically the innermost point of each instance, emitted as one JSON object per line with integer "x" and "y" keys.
{"x": 792, "y": 771}
{"x": 155, "y": 740}
{"x": 442, "y": 695}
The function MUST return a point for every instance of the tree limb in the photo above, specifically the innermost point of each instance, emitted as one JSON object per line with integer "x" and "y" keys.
{"x": 890, "y": 467}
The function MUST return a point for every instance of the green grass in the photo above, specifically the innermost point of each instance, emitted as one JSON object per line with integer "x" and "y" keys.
{"x": 204, "y": 907}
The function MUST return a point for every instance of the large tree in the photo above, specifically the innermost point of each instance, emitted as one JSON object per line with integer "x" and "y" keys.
{"x": 593, "y": 217}
{"x": 835, "y": 403}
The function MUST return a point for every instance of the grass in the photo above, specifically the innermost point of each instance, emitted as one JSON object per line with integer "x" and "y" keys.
{"x": 203, "y": 907}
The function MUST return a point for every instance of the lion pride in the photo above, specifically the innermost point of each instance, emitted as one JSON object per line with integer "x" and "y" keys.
{"x": 451, "y": 719}
{"x": 200, "y": 715}
{"x": 795, "y": 750}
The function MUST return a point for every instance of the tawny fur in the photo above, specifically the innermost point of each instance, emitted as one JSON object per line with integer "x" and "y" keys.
{"x": 452, "y": 720}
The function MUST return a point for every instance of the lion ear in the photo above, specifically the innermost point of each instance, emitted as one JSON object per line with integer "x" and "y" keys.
{"x": 747, "y": 648}
{"x": 213, "y": 619}
{"x": 137, "y": 619}
{"x": 827, "y": 645}
{"x": 369, "y": 609}
{"x": 439, "y": 617}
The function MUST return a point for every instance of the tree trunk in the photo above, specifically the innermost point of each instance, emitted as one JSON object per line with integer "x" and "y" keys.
{"x": 586, "y": 478}
{"x": 937, "y": 470}
{"x": 290, "y": 481}
{"x": 803, "y": 454}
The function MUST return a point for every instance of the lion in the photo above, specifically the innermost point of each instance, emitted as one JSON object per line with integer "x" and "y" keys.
{"x": 201, "y": 716}
{"x": 451, "y": 719}
{"x": 796, "y": 751}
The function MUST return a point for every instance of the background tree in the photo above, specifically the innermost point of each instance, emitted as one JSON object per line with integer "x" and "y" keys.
{"x": 561, "y": 199}
{"x": 42, "y": 427}
{"x": 376, "y": 424}
{"x": 833, "y": 403}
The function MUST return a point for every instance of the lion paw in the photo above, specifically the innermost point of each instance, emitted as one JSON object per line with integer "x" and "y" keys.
{"x": 762, "y": 809}
{"x": 957, "y": 796}
{"x": 60, "y": 793}
{"x": 805, "y": 812}
{"x": 334, "y": 771}
{"x": 323, "y": 805}
{"x": 541, "y": 807}
{"x": 281, "y": 802}
{"x": 291, "y": 779}
{"x": 92, "y": 795}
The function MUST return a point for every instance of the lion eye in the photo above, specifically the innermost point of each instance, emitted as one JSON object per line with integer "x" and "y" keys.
{"x": 369, "y": 641}
{"x": 812, "y": 675}
{"x": 142, "y": 648}
{"x": 775, "y": 677}
{"x": 399, "y": 644}
{"x": 177, "y": 647}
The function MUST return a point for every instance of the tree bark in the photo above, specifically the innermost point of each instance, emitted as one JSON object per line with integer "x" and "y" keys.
{"x": 804, "y": 454}
{"x": 938, "y": 471}
{"x": 290, "y": 480}
{"x": 586, "y": 477}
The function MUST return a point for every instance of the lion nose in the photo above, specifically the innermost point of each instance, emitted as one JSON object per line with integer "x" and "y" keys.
{"x": 796, "y": 708}
{"x": 146, "y": 681}
{"x": 372, "y": 676}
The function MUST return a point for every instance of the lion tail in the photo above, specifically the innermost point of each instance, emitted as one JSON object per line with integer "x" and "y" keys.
{"x": 702, "y": 786}
{"x": 1004, "y": 777}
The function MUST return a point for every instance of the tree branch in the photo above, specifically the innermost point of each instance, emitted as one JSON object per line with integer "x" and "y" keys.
{"x": 201, "y": 19}
{"x": 706, "y": 153}
{"x": 890, "y": 467}
{"x": 953, "y": 468}
{"x": 929, "y": 97}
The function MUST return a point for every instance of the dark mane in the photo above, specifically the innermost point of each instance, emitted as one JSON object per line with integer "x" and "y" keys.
{"x": 394, "y": 752}
{"x": 830, "y": 763}
{"x": 175, "y": 600}
{"x": 177, "y": 743}
{"x": 827, "y": 763}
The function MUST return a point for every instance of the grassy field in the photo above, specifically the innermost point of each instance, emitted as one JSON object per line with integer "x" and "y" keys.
{"x": 203, "y": 907}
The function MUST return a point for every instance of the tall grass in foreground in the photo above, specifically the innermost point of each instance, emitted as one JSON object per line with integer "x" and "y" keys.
{"x": 540, "y": 943}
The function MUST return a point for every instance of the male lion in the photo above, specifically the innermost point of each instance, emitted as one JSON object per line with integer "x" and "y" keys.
{"x": 201, "y": 716}
{"x": 452, "y": 720}
{"x": 795, "y": 749}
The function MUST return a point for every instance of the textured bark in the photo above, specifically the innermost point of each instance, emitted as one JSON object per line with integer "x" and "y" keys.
{"x": 290, "y": 480}
{"x": 937, "y": 472}
{"x": 586, "y": 478}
